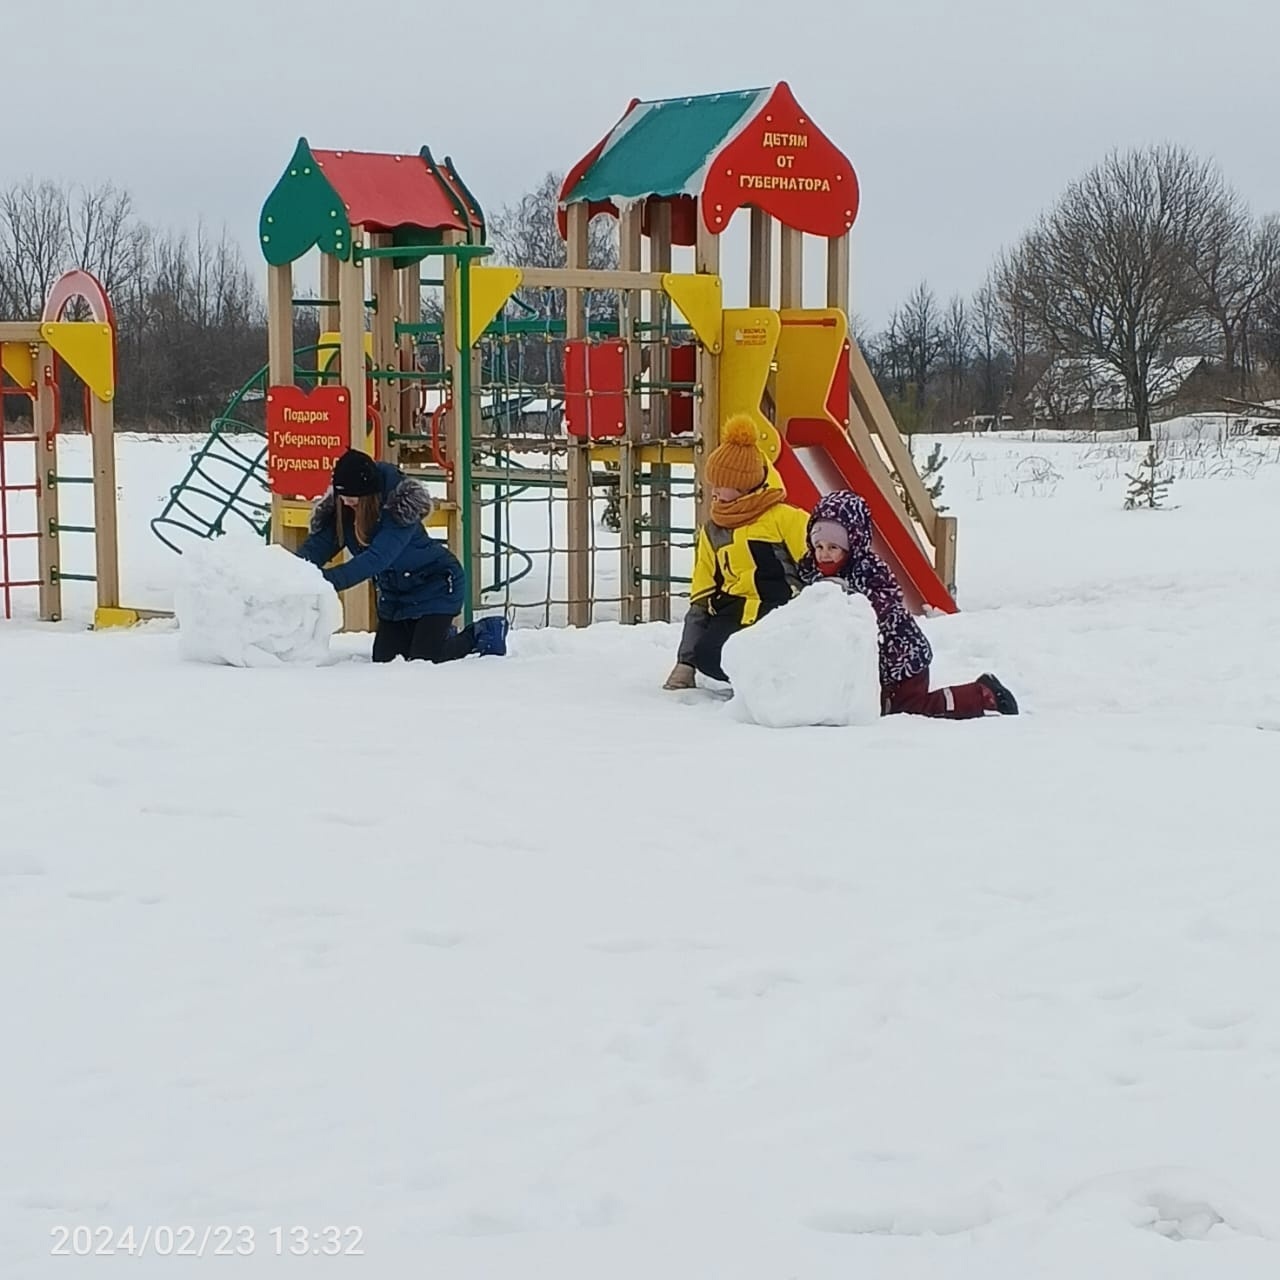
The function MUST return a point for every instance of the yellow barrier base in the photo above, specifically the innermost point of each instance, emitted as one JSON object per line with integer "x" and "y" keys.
{"x": 114, "y": 616}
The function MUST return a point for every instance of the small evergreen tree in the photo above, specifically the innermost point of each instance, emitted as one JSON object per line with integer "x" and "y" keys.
{"x": 1148, "y": 486}
{"x": 930, "y": 474}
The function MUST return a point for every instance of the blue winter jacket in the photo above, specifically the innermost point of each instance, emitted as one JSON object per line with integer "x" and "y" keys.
{"x": 415, "y": 575}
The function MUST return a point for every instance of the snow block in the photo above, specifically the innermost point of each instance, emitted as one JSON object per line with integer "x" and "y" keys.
{"x": 816, "y": 661}
{"x": 244, "y": 604}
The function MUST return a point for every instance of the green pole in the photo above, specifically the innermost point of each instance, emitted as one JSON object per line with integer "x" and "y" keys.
{"x": 464, "y": 431}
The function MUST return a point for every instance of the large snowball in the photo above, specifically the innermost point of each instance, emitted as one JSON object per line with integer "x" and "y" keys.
{"x": 245, "y": 604}
{"x": 816, "y": 661}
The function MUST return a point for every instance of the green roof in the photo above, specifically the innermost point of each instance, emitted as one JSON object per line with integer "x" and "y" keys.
{"x": 661, "y": 148}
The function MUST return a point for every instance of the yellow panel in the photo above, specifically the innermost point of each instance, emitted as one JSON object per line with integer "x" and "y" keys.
{"x": 750, "y": 339}
{"x": 440, "y": 518}
{"x": 325, "y": 357}
{"x": 701, "y": 302}
{"x": 112, "y": 617}
{"x": 672, "y": 452}
{"x": 20, "y": 361}
{"x": 490, "y": 289}
{"x": 810, "y": 350}
{"x": 88, "y": 348}
{"x": 295, "y": 516}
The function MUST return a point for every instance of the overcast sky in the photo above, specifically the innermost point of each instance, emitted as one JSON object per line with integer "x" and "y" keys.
{"x": 962, "y": 120}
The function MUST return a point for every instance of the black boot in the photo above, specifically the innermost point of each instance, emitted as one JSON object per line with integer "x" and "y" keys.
{"x": 1006, "y": 703}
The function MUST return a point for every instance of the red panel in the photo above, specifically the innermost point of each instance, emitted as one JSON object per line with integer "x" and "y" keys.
{"x": 784, "y": 164}
{"x": 595, "y": 383}
{"x": 307, "y": 432}
{"x": 684, "y": 368}
{"x": 382, "y": 192}
{"x": 832, "y": 451}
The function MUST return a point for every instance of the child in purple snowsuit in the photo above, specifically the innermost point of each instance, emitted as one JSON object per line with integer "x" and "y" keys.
{"x": 839, "y": 546}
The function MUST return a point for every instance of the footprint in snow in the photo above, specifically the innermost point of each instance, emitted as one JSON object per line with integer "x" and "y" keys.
{"x": 754, "y": 984}
{"x": 1178, "y": 1204}
{"x": 434, "y": 938}
{"x": 935, "y": 1220}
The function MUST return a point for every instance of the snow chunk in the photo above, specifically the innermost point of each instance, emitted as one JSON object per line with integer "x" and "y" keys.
{"x": 244, "y": 604}
{"x": 813, "y": 662}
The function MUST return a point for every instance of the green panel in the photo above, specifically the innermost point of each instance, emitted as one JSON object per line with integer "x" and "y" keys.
{"x": 664, "y": 148}
{"x": 303, "y": 210}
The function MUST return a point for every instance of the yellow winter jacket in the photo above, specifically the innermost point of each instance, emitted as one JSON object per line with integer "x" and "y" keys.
{"x": 752, "y": 567}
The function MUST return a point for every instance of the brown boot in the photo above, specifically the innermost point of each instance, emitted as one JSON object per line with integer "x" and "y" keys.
{"x": 682, "y": 676}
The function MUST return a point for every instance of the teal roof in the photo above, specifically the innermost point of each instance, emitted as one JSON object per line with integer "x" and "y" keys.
{"x": 662, "y": 148}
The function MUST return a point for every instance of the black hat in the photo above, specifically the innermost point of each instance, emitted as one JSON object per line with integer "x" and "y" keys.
{"x": 355, "y": 475}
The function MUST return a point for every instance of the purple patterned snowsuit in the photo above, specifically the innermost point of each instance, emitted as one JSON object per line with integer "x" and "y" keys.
{"x": 904, "y": 649}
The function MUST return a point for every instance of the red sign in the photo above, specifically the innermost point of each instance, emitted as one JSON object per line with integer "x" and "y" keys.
{"x": 307, "y": 432}
{"x": 783, "y": 164}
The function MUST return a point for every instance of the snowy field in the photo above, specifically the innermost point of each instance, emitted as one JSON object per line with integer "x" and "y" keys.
{"x": 524, "y": 968}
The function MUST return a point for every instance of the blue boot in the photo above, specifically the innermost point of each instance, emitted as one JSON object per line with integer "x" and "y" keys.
{"x": 491, "y": 636}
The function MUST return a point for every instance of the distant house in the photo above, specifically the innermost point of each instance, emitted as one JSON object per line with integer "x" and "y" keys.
{"x": 1089, "y": 393}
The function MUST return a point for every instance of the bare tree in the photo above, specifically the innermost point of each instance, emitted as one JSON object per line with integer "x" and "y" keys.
{"x": 957, "y": 346}
{"x": 525, "y": 234}
{"x": 1113, "y": 270}
{"x": 34, "y": 244}
{"x": 922, "y": 336}
{"x": 1239, "y": 265}
{"x": 1011, "y": 300}
{"x": 991, "y": 362}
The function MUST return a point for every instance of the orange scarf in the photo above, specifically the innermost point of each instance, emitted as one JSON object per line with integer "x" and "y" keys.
{"x": 743, "y": 510}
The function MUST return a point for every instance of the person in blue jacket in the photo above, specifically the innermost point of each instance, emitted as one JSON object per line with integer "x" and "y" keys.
{"x": 376, "y": 512}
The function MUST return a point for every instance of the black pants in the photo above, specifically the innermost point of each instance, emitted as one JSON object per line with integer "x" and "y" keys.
{"x": 421, "y": 639}
{"x": 704, "y": 635}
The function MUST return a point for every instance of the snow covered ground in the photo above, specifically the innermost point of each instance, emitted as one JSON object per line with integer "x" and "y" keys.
{"x": 523, "y": 968}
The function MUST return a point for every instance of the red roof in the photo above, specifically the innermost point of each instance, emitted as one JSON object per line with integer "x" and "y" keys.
{"x": 382, "y": 192}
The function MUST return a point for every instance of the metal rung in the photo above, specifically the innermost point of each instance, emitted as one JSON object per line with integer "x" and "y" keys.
{"x": 56, "y": 479}
{"x": 56, "y": 575}
{"x": 71, "y": 528}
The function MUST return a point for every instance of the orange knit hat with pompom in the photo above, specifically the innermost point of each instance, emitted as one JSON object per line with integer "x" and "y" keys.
{"x": 737, "y": 463}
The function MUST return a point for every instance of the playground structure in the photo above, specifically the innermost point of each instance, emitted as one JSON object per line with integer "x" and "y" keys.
{"x": 532, "y": 396}
{"x": 30, "y": 353}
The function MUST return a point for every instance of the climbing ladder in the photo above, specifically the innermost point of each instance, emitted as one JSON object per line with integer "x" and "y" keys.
{"x": 8, "y": 486}
{"x": 226, "y": 479}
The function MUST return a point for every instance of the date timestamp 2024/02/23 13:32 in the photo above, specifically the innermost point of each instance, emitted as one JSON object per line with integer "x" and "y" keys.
{"x": 207, "y": 1241}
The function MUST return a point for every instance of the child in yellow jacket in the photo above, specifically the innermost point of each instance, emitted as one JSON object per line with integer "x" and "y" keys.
{"x": 746, "y": 554}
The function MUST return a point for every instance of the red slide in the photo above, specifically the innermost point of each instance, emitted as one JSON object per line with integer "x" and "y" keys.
{"x": 818, "y": 458}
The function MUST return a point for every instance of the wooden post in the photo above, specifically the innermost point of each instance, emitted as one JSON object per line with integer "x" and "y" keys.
{"x": 838, "y": 272}
{"x": 630, "y": 504}
{"x": 452, "y": 425}
{"x": 760, "y": 283}
{"x": 280, "y": 371}
{"x": 45, "y": 414}
{"x": 707, "y": 260}
{"x": 106, "y": 541}
{"x": 945, "y": 551}
{"x": 791, "y": 279}
{"x": 357, "y": 603}
{"x": 660, "y": 417}
{"x": 578, "y": 459}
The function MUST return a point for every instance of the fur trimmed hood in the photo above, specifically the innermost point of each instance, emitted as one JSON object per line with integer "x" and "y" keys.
{"x": 405, "y": 501}
{"x": 410, "y": 502}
